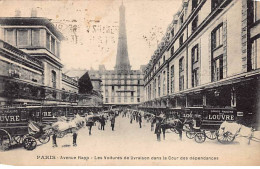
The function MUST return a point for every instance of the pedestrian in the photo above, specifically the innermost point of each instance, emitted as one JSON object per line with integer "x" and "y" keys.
{"x": 103, "y": 122}
{"x": 140, "y": 120}
{"x": 54, "y": 142}
{"x": 75, "y": 135}
{"x": 179, "y": 127}
{"x": 158, "y": 129}
{"x": 113, "y": 122}
{"x": 131, "y": 118}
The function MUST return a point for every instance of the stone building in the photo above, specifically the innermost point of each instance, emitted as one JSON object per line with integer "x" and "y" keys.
{"x": 209, "y": 57}
{"x": 31, "y": 68}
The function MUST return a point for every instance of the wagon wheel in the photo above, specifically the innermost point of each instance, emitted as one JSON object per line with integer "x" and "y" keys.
{"x": 226, "y": 138}
{"x": 200, "y": 137}
{"x": 211, "y": 135}
{"x": 5, "y": 140}
{"x": 29, "y": 143}
{"x": 44, "y": 139}
{"x": 61, "y": 134}
{"x": 190, "y": 134}
{"x": 18, "y": 139}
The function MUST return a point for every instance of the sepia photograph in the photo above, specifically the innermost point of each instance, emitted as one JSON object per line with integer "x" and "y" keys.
{"x": 130, "y": 82}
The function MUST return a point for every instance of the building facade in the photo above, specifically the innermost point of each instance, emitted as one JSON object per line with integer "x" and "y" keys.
{"x": 31, "y": 68}
{"x": 208, "y": 58}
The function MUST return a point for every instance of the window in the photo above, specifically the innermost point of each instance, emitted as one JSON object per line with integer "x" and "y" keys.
{"x": 119, "y": 99}
{"x": 217, "y": 66}
{"x": 194, "y": 4}
{"x": 195, "y": 78}
{"x": 132, "y": 94}
{"x": 113, "y": 88}
{"x": 138, "y": 91}
{"x": 154, "y": 85}
{"x": 172, "y": 50}
{"x": 138, "y": 81}
{"x": 181, "y": 74}
{"x": 163, "y": 58}
{"x": 181, "y": 83}
{"x": 181, "y": 40}
{"x": 36, "y": 37}
{"x": 181, "y": 65}
{"x": 53, "y": 45}
{"x": 106, "y": 100}
{"x": 172, "y": 32}
{"x": 138, "y": 99}
{"x": 159, "y": 86}
{"x": 195, "y": 54}
{"x": 194, "y": 24}
{"x": 48, "y": 41}
{"x": 172, "y": 78}
{"x": 253, "y": 58}
{"x": 216, "y": 37}
{"x": 23, "y": 37}
{"x": 10, "y": 36}
{"x": 164, "y": 83}
{"x": 58, "y": 49}
{"x": 159, "y": 64}
{"x": 215, "y": 3}
{"x": 132, "y": 99}
{"x": 53, "y": 78}
{"x": 181, "y": 19}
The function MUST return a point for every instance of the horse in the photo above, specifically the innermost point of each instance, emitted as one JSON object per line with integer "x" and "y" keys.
{"x": 90, "y": 121}
{"x": 175, "y": 125}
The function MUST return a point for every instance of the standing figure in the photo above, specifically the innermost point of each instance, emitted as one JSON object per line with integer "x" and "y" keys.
{"x": 131, "y": 118}
{"x": 113, "y": 122}
{"x": 54, "y": 142}
{"x": 140, "y": 120}
{"x": 75, "y": 135}
{"x": 158, "y": 129}
{"x": 103, "y": 122}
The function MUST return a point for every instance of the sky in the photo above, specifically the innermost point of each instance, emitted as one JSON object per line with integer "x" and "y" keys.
{"x": 91, "y": 27}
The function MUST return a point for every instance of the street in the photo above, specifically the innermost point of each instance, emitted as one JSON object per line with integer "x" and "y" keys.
{"x": 129, "y": 144}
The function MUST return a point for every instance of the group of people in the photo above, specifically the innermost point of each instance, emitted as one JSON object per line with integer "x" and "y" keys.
{"x": 101, "y": 118}
{"x": 103, "y": 121}
{"x": 135, "y": 115}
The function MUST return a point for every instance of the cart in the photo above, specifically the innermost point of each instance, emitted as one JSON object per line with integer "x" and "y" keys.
{"x": 204, "y": 123}
{"x": 17, "y": 129}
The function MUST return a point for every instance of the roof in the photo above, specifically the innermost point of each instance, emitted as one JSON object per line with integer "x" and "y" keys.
{"x": 32, "y": 21}
{"x": 75, "y": 73}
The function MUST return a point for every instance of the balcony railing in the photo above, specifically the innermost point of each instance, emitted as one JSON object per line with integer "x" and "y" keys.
{"x": 17, "y": 89}
{"x": 19, "y": 53}
{"x": 69, "y": 80}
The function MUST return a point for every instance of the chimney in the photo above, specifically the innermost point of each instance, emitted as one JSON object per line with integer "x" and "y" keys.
{"x": 17, "y": 13}
{"x": 33, "y": 12}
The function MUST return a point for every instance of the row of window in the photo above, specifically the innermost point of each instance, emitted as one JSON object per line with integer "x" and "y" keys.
{"x": 138, "y": 82}
{"x": 25, "y": 37}
{"x": 194, "y": 25}
{"x": 217, "y": 66}
{"x": 119, "y": 100}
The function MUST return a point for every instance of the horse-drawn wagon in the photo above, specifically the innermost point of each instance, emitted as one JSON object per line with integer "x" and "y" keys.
{"x": 202, "y": 123}
{"x": 17, "y": 128}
